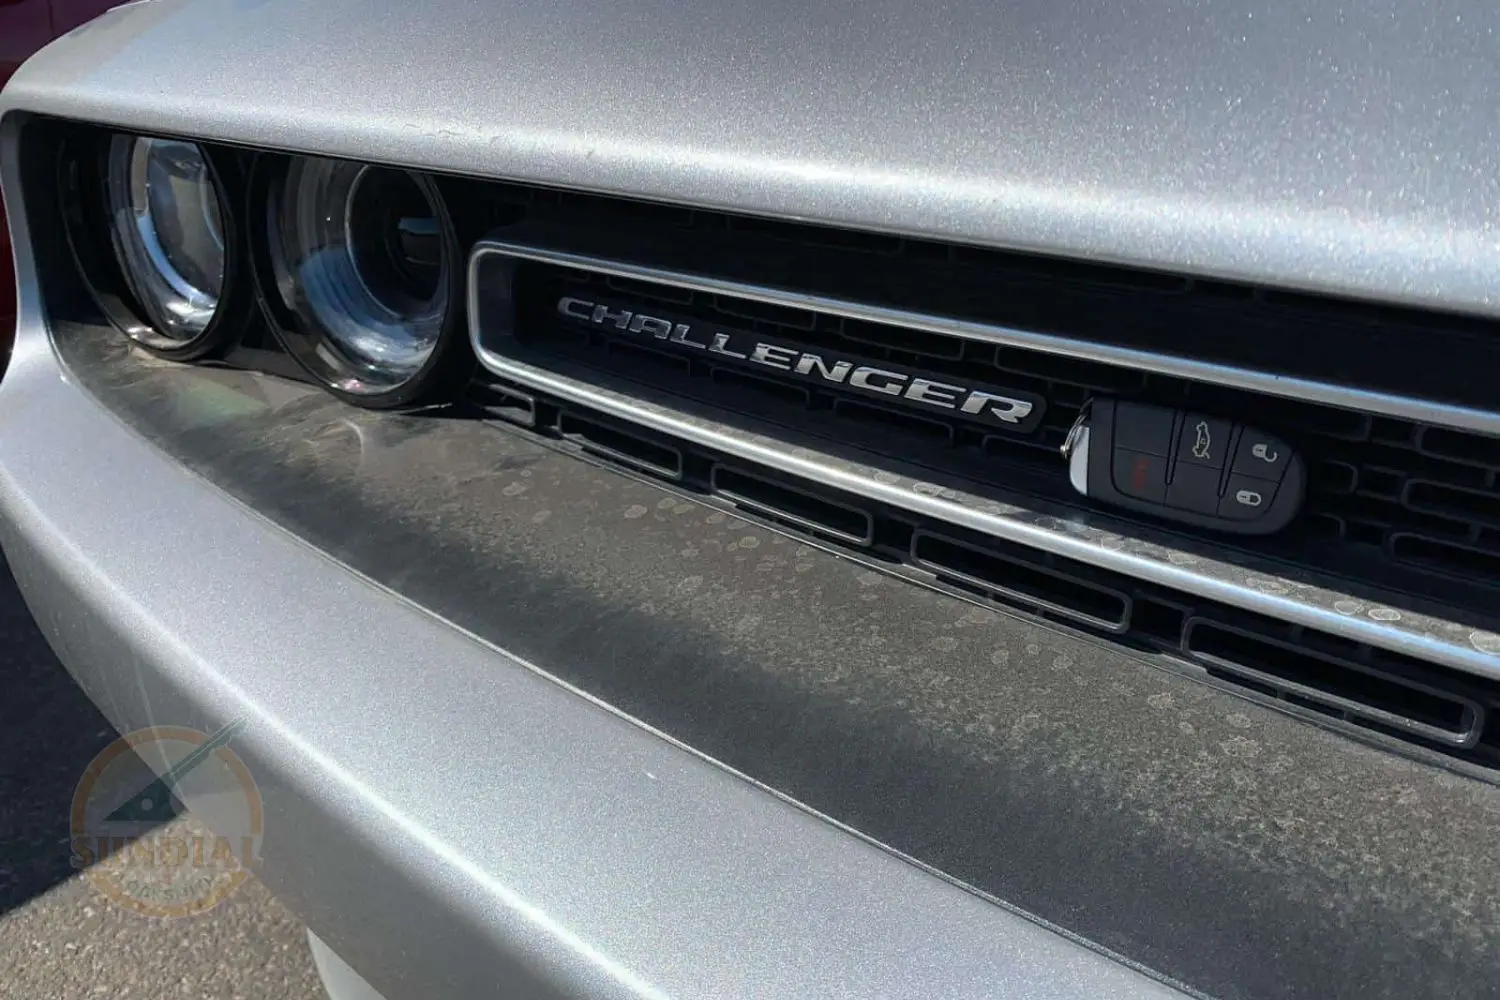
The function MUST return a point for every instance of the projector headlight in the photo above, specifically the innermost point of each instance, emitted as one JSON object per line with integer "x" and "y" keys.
{"x": 167, "y": 225}
{"x": 149, "y": 224}
{"x": 364, "y": 278}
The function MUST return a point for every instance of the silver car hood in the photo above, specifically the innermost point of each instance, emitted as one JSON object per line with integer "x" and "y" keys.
{"x": 1349, "y": 148}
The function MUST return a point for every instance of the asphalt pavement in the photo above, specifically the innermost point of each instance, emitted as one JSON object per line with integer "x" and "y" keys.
{"x": 59, "y": 938}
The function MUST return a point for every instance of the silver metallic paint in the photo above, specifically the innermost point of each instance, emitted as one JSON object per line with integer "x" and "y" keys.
{"x": 574, "y": 852}
{"x": 555, "y": 848}
{"x": 1042, "y": 767}
{"x": 1317, "y": 156}
{"x": 1348, "y": 148}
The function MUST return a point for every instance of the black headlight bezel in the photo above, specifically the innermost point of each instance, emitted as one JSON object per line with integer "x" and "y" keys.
{"x": 251, "y": 329}
{"x": 451, "y": 360}
{"x": 82, "y": 171}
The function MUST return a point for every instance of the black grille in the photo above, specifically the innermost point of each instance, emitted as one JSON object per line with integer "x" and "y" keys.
{"x": 1413, "y": 507}
{"x": 1352, "y": 686}
{"x": 1393, "y": 504}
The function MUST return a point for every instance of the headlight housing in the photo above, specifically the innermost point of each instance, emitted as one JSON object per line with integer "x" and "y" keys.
{"x": 150, "y": 224}
{"x": 361, "y": 276}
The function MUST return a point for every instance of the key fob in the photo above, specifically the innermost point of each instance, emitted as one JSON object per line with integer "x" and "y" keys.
{"x": 1185, "y": 466}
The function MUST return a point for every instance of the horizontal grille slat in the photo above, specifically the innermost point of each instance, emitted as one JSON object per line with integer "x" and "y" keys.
{"x": 1471, "y": 506}
{"x": 1471, "y": 448}
{"x": 1448, "y": 556}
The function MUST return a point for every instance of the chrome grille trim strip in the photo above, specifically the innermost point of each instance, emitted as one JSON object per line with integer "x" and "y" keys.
{"x": 1289, "y": 387}
{"x": 1252, "y": 584}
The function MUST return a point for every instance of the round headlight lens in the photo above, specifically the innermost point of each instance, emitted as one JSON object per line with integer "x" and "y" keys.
{"x": 168, "y": 232}
{"x": 362, "y": 259}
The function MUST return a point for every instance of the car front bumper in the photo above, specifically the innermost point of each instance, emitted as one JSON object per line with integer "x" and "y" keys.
{"x": 453, "y": 820}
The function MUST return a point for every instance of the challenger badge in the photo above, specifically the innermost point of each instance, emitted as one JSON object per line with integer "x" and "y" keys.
{"x": 1001, "y": 408}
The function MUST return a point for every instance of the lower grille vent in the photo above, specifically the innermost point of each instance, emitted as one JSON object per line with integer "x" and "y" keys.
{"x": 1314, "y": 674}
{"x": 1386, "y": 690}
{"x": 602, "y": 438}
{"x": 505, "y": 403}
{"x": 791, "y": 506}
{"x": 1017, "y": 575}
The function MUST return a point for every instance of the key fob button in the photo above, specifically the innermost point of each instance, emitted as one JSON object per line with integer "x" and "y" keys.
{"x": 1194, "y": 488}
{"x": 1247, "y": 498}
{"x": 1260, "y": 455}
{"x": 1139, "y": 475}
{"x": 1141, "y": 427}
{"x": 1204, "y": 442}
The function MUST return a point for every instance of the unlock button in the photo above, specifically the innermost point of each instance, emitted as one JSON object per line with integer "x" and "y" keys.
{"x": 1261, "y": 456}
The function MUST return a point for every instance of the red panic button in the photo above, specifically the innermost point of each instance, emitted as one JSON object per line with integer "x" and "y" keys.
{"x": 1139, "y": 475}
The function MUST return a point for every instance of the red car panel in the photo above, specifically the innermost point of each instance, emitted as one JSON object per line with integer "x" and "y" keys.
{"x": 25, "y": 26}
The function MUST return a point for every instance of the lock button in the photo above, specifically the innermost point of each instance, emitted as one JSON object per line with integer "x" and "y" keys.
{"x": 1260, "y": 455}
{"x": 1246, "y": 498}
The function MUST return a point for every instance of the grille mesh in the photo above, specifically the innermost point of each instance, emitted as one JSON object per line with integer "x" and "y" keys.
{"x": 1388, "y": 499}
